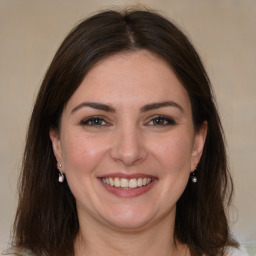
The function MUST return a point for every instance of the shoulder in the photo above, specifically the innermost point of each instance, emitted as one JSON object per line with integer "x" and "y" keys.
{"x": 15, "y": 252}
{"x": 241, "y": 251}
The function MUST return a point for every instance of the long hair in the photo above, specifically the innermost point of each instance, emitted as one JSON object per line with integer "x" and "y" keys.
{"x": 46, "y": 220}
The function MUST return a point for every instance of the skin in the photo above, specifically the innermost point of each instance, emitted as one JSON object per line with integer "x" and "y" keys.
{"x": 128, "y": 139}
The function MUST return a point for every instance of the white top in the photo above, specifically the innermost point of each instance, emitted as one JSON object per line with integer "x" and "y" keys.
{"x": 237, "y": 252}
{"x": 13, "y": 252}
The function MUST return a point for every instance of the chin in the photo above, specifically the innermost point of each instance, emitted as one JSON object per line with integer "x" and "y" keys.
{"x": 129, "y": 224}
{"x": 129, "y": 219}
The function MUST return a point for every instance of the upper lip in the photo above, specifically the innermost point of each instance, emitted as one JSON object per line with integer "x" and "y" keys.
{"x": 127, "y": 176}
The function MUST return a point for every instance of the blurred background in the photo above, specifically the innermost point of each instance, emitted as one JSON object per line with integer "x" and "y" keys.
{"x": 223, "y": 32}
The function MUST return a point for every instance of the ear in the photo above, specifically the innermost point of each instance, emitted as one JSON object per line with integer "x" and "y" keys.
{"x": 56, "y": 145}
{"x": 198, "y": 146}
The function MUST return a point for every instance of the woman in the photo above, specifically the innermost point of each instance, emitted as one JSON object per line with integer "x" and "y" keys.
{"x": 127, "y": 116}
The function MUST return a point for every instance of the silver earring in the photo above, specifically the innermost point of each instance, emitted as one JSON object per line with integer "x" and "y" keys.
{"x": 193, "y": 177}
{"x": 61, "y": 177}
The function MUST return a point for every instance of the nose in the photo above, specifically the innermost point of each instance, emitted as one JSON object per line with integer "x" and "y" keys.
{"x": 128, "y": 146}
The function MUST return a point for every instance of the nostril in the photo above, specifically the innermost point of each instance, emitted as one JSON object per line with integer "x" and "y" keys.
{"x": 129, "y": 150}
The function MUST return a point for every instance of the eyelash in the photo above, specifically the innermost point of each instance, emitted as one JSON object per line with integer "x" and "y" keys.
{"x": 166, "y": 121}
{"x": 97, "y": 121}
{"x": 88, "y": 121}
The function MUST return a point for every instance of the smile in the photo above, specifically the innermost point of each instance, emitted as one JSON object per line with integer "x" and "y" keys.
{"x": 126, "y": 183}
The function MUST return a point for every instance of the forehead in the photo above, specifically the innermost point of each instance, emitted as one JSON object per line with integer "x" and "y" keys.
{"x": 133, "y": 77}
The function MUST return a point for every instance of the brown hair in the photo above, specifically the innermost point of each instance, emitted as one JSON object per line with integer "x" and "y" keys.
{"x": 46, "y": 220}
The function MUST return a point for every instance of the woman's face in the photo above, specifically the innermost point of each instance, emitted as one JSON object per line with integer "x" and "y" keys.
{"x": 127, "y": 143}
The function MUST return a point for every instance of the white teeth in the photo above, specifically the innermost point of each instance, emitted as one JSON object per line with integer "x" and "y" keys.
{"x": 133, "y": 183}
{"x": 111, "y": 182}
{"x": 126, "y": 183}
{"x": 139, "y": 182}
{"x": 117, "y": 182}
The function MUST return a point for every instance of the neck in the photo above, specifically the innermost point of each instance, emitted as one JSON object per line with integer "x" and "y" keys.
{"x": 97, "y": 239}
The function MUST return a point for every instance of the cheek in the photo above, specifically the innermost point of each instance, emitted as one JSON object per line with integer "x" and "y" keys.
{"x": 174, "y": 157}
{"x": 81, "y": 157}
{"x": 174, "y": 153}
{"x": 81, "y": 154}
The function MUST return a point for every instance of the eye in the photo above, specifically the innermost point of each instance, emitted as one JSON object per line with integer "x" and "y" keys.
{"x": 161, "y": 121}
{"x": 94, "y": 121}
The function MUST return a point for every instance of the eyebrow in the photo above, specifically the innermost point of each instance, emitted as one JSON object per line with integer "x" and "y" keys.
{"x": 157, "y": 105}
{"x": 148, "y": 107}
{"x": 94, "y": 105}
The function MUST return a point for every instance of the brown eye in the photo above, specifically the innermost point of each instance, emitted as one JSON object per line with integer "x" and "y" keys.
{"x": 161, "y": 121}
{"x": 94, "y": 121}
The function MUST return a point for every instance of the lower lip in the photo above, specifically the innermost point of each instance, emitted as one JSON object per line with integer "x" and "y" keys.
{"x": 126, "y": 193}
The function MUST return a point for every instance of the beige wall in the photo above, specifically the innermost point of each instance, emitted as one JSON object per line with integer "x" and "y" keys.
{"x": 223, "y": 31}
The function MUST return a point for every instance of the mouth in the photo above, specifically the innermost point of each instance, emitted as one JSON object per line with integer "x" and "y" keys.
{"x": 125, "y": 183}
{"x": 127, "y": 186}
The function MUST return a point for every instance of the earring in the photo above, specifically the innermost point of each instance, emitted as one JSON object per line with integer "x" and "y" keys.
{"x": 61, "y": 174}
{"x": 61, "y": 177}
{"x": 193, "y": 177}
